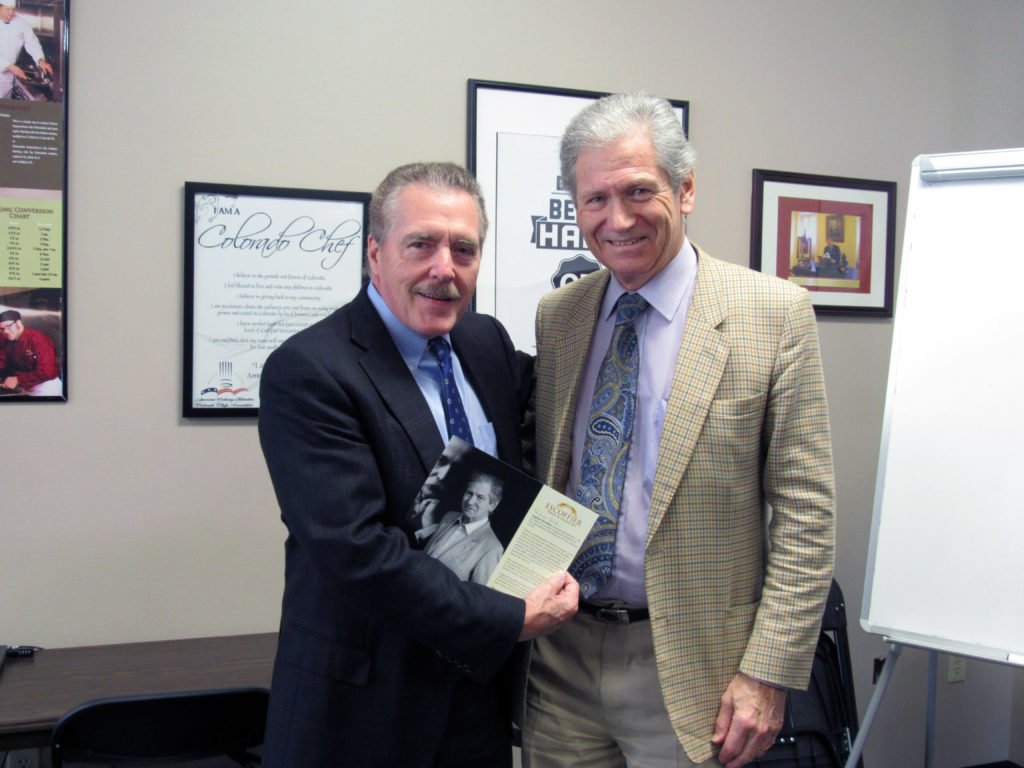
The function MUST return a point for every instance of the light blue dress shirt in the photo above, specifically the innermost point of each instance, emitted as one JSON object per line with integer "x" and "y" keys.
{"x": 424, "y": 369}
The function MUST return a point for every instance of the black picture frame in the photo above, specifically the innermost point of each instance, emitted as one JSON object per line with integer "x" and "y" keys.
{"x": 261, "y": 263}
{"x": 512, "y": 136}
{"x": 833, "y": 235}
{"x": 34, "y": 205}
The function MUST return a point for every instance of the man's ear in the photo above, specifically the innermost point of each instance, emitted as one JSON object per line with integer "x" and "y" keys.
{"x": 372, "y": 255}
{"x": 687, "y": 194}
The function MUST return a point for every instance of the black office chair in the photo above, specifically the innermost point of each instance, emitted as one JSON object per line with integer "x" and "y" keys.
{"x": 170, "y": 728}
{"x": 820, "y": 723}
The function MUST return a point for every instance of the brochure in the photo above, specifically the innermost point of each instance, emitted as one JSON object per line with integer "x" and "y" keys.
{"x": 493, "y": 524}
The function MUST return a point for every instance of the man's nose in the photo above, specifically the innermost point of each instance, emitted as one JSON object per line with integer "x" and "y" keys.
{"x": 442, "y": 267}
{"x": 620, "y": 214}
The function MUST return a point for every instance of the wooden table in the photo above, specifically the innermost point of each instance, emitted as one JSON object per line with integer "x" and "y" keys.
{"x": 36, "y": 691}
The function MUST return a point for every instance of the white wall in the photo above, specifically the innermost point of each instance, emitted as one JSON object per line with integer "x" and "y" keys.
{"x": 123, "y": 522}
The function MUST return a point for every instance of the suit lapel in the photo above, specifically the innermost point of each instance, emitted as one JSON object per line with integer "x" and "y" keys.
{"x": 479, "y": 361}
{"x": 699, "y": 367}
{"x": 570, "y": 345}
{"x": 388, "y": 373}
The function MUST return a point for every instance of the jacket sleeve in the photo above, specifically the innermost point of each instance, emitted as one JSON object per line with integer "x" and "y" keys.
{"x": 41, "y": 349}
{"x": 800, "y": 490}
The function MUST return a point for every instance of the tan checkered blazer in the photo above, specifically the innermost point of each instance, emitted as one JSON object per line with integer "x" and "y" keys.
{"x": 730, "y": 586}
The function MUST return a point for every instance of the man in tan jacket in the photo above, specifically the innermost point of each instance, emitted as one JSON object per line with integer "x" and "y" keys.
{"x": 702, "y": 438}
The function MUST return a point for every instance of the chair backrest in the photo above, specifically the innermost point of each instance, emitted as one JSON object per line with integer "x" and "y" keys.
{"x": 821, "y": 722}
{"x": 170, "y": 727}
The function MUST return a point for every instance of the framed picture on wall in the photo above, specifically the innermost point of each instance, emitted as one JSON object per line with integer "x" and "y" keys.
{"x": 834, "y": 236}
{"x": 261, "y": 263}
{"x": 534, "y": 244}
{"x": 33, "y": 201}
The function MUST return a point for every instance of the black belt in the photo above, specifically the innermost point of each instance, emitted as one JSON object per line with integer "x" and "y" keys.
{"x": 610, "y": 615}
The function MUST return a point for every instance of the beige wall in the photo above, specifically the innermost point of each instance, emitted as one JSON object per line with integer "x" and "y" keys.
{"x": 123, "y": 522}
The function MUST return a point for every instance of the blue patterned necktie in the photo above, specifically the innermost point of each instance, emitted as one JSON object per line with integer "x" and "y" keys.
{"x": 606, "y": 447}
{"x": 454, "y": 412}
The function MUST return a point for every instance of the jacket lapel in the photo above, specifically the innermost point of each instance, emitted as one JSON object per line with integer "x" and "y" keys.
{"x": 571, "y": 343}
{"x": 478, "y": 358}
{"x": 699, "y": 367}
{"x": 394, "y": 383}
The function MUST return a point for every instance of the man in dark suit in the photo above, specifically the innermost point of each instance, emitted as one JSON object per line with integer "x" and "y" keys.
{"x": 385, "y": 657}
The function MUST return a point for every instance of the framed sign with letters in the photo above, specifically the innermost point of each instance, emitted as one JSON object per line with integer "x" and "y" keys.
{"x": 260, "y": 264}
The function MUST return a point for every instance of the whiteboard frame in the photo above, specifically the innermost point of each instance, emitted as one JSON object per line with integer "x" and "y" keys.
{"x": 926, "y": 171}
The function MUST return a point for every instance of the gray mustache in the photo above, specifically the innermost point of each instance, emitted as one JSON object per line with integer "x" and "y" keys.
{"x": 439, "y": 291}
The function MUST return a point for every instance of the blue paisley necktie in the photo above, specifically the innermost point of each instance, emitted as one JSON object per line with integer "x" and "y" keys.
{"x": 606, "y": 447}
{"x": 454, "y": 412}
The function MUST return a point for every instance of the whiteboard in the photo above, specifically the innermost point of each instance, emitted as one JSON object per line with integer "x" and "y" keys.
{"x": 945, "y": 564}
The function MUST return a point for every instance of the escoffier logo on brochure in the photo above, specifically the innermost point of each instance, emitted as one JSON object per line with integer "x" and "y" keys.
{"x": 565, "y": 512}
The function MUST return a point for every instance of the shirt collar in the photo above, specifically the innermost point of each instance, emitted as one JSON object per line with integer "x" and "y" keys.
{"x": 665, "y": 291}
{"x": 411, "y": 345}
{"x": 476, "y": 525}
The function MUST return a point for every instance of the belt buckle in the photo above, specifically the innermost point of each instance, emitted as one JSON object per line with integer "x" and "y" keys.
{"x": 613, "y": 615}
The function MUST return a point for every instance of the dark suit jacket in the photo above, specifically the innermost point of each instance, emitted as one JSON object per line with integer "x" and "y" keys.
{"x": 374, "y": 634}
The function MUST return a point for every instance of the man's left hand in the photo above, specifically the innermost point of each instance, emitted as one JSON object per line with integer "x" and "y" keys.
{"x": 748, "y": 721}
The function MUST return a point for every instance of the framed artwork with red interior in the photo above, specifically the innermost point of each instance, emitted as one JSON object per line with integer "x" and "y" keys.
{"x": 834, "y": 236}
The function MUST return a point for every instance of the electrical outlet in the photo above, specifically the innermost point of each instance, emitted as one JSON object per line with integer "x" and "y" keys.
{"x": 957, "y": 672}
{"x": 23, "y": 758}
